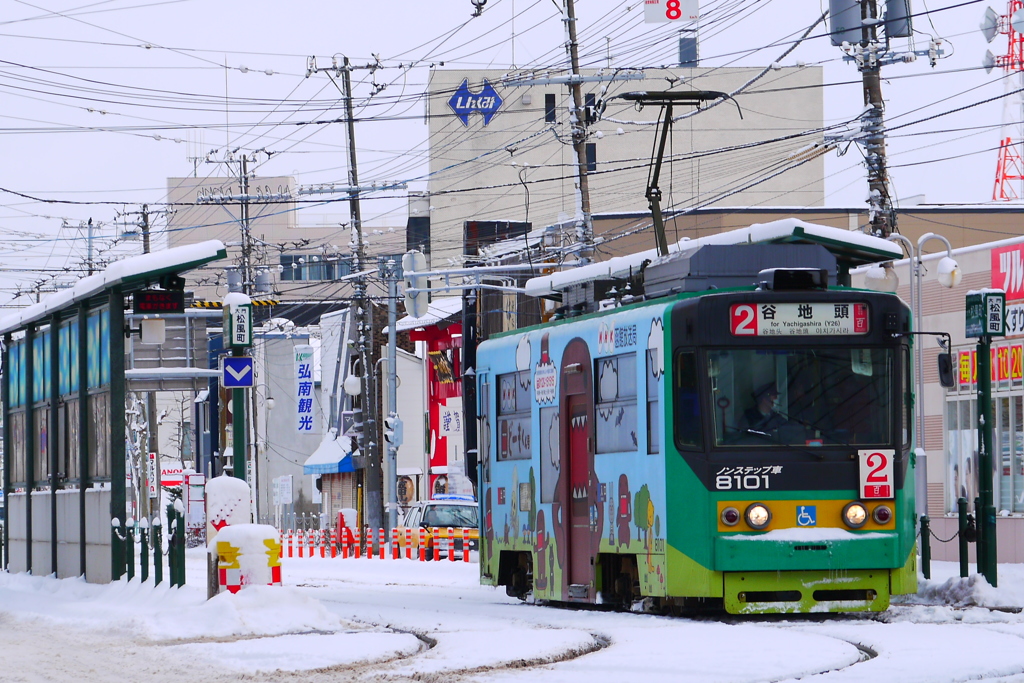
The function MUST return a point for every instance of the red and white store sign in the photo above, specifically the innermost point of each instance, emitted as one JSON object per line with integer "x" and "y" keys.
{"x": 805, "y": 319}
{"x": 171, "y": 476}
{"x": 1008, "y": 271}
{"x": 1006, "y": 363}
{"x": 1008, "y": 275}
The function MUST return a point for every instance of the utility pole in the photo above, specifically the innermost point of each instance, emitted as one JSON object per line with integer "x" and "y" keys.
{"x": 370, "y": 476}
{"x": 578, "y": 124}
{"x": 152, "y": 421}
{"x": 144, "y": 224}
{"x": 88, "y": 240}
{"x": 854, "y": 28}
{"x": 247, "y": 278}
{"x": 882, "y": 214}
{"x": 395, "y": 428}
{"x": 373, "y": 481}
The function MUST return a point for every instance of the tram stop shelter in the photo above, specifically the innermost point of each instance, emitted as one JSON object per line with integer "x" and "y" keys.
{"x": 63, "y": 393}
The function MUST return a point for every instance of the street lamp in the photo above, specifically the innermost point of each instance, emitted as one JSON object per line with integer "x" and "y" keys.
{"x": 948, "y": 274}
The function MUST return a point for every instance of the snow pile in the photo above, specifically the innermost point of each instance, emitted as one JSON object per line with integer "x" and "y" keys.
{"x": 973, "y": 591}
{"x": 227, "y": 502}
{"x": 255, "y": 611}
{"x": 165, "y": 613}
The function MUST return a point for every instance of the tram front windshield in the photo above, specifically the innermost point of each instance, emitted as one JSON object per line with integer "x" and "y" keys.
{"x": 806, "y": 397}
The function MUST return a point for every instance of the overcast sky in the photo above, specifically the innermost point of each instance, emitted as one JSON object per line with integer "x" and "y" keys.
{"x": 103, "y": 101}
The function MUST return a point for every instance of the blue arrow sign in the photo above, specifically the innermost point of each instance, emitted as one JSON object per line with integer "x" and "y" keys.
{"x": 464, "y": 102}
{"x": 236, "y": 372}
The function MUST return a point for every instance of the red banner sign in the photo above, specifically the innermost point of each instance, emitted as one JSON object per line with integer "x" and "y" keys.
{"x": 1008, "y": 271}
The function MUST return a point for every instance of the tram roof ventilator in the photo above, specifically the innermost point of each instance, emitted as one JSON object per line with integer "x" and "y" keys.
{"x": 736, "y": 258}
{"x": 707, "y": 267}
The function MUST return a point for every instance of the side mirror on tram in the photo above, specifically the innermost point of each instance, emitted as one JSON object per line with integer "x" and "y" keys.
{"x": 946, "y": 370}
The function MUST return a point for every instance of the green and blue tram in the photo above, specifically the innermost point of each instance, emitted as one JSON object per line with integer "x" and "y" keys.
{"x": 744, "y": 447}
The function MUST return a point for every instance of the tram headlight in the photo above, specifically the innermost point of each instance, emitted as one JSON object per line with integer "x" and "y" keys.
{"x": 758, "y": 515}
{"x": 855, "y": 515}
{"x": 882, "y": 515}
{"x": 730, "y": 516}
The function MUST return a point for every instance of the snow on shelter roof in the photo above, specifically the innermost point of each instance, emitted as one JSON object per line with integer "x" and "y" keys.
{"x": 137, "y": 269}
{"x": 849, "y": 247}
{"x": 438, "y": 310}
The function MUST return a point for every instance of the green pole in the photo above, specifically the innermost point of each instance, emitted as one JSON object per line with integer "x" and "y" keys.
{"x": 158, "y": 551}
{"x": 238, "y": 427}
{"x": 129, "y": 548}
{"x": 961, "y": 512}
{"x": 987, "y": 514}
{"x": 179, "y": 545}
{"x": 144, "y": 550}
{"x": 926, "y": 547}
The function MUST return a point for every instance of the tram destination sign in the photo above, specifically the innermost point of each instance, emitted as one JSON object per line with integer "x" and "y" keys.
{"x": 798, "y": 319}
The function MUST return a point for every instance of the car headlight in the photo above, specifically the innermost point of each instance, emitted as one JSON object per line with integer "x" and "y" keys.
{"x": 758, "y": 515}
{"x": 855, "y": 515}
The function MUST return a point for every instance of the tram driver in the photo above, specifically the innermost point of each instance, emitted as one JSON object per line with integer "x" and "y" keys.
{"x": 762, "y": 416}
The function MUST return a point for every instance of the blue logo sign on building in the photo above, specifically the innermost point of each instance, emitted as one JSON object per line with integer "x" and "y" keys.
{"x": 464, "y": 102}
{"x": 237, "y": 372}
{"x": 807, "y": 515}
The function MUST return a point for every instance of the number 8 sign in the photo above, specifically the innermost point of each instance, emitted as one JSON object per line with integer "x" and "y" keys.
{"x": 663, "y": 11}
{"x": 876, "y": 474}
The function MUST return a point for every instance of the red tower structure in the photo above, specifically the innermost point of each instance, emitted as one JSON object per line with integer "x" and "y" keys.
{"x": 1009, "y": 167}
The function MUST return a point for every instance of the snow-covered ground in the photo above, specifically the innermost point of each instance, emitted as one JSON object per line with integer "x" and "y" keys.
{"x": 399, "y": 620}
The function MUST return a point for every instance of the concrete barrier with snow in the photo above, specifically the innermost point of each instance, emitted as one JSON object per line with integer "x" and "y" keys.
{"x": 248, "y": 555}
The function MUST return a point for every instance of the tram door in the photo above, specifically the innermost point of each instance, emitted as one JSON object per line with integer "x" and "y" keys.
{"x": 580, "y": 568}
{"x": 579, "y": 516}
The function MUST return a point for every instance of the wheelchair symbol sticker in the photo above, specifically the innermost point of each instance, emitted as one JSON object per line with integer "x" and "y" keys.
{"x": 806, "y": 515}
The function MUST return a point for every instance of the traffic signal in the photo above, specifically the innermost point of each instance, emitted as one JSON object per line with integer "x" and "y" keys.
{"x": 393, "y": 431}
{"x": 415, "y": 303}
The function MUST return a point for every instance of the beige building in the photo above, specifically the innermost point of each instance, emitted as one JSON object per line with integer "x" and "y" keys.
{"x": 300, "y": 254}
{"x": 520, "y": 166}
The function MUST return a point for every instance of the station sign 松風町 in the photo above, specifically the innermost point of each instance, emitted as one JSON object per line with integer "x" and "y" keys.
{"x": 985, "y": 313}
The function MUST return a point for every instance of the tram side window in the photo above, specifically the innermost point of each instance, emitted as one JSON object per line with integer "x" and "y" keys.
{"x": 653, "y": 404}
{"x": 616, "y": 404}
{"x": 687, "y": 401}
{"x": 514, "y": 416}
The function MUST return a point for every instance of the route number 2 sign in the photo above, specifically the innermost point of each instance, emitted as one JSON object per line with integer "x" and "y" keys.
{"x": 664, "y": 11}
{"x": 876, "y": 474}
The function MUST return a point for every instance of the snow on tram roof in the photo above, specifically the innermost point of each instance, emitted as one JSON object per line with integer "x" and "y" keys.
{"x": 855, "y": 248}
